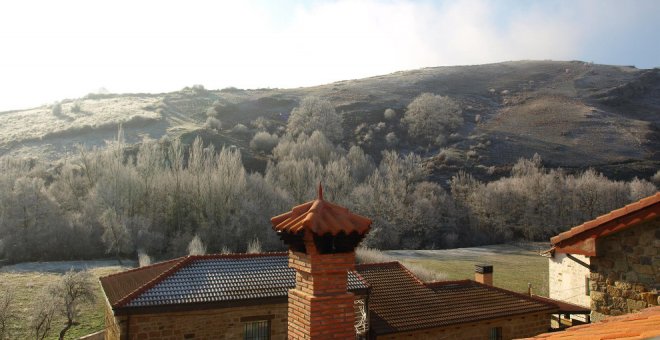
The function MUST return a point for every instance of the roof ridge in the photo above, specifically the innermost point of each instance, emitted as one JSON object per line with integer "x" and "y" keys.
{"x": 132, "y": 270}
{"x": 184, "y": 260}
{"x": 239, "y": 255}
{"x": 374, "y": 264}
{"x": 620, "y": 213}
{"x": 448, "y": 282}
{"x": 413, "y": 275}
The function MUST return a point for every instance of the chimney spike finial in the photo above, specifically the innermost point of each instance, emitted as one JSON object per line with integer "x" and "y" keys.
{"x": 320, "y": 191}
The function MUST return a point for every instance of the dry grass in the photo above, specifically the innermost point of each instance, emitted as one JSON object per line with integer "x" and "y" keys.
{"x": 27, "y": 285}
{"x": 370, "y": 255}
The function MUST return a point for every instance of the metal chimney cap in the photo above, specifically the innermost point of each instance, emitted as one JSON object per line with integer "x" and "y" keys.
{"x": 483, "y": 268}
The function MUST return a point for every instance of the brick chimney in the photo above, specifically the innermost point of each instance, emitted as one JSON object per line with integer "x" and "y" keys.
{"x": 483, "y": 273}
{"x": 322, "y": 238}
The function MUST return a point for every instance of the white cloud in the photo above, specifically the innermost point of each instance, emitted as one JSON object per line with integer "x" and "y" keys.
{"x": 56, "y": 49}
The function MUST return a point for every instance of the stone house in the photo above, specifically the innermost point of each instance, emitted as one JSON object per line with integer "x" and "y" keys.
{"x": 611, "y": 263}
{"x": 314, "y": 291}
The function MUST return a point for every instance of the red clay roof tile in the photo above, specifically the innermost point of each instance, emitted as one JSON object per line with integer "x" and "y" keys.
{"x": 321, "y": 217}
{"x": 580, "y": 239}
{"x": 642, "y": 325}
{"x": 399, "y": 301}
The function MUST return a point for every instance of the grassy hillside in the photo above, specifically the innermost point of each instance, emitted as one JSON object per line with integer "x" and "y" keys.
{"x": 574, "y": 114}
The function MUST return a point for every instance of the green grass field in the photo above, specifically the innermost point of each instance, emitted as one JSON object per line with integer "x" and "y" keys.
{"x": 513, "y": 267}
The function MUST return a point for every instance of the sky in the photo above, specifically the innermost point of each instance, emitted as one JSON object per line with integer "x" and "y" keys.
{"x": 51, "y": 50}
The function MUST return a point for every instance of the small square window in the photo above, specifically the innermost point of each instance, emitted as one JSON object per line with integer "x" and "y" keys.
{"x": 496, "y": 333}
{"x": 257, "y": 330}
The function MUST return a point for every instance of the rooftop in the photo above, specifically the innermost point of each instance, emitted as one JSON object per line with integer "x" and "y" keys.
{"x": 321, "y": 217}
{"x": 398, "y": 301}
{"x": 642, "y": 325}
{"x": 580, "y": 239}
{"x": 207, "y": 279}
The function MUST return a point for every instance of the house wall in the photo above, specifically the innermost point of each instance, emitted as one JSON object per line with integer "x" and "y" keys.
{"x": 567, "y": 280}
{"x": 626, "y": 271}
{"x": 112, "y": 324}
{"x": 225, "y": 323}
{"x": 512, "y": 328}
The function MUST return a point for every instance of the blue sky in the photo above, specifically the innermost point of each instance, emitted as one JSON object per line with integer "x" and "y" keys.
{"x": 66, "y": 49}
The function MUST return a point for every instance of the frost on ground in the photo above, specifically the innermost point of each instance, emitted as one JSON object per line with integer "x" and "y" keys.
{"x": 470, "y": 253}
{"x": 37, "y": 123}
{"x": 64, "y": 266}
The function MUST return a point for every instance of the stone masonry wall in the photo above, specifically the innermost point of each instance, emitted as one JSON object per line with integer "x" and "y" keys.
{"x": 225, "y": 323}
{"x": 512, "y": 328}
{"x": 626, "y": 273}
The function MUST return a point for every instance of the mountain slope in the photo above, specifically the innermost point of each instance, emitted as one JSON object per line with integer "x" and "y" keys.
{"x": 574, "y": 114}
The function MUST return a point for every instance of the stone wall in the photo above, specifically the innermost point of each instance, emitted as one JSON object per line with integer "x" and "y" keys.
{"x": 512, "y": 328}
{"x": 626, "y": 273}
{"x": 225, "y": 323}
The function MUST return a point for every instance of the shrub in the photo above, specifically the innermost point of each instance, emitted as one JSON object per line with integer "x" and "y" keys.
{"x": 75, "y": 108}
{"x": 391, "y": 139}
{"x": 389, "y": 114}
{"x": 240, "y": 128}
{"x": 264, "y": 141}
{"x": 56, "y": 109}
{"x": 213, "y": 123}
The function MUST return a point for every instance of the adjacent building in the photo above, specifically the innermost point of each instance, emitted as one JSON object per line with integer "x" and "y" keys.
{"x": 610, "y": 264}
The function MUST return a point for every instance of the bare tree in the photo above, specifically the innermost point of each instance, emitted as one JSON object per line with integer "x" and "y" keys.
{"x": 42, "y": 314}
{"x": 7, "y": 312}
{"x": 314, "y": 114}
{"x": 432, "y": 117}
{"x": 115, "y": 235}
{"x": 73, "y": 290}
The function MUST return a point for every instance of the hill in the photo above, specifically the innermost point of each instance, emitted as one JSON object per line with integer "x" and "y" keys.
{"x": 574, "y": 114}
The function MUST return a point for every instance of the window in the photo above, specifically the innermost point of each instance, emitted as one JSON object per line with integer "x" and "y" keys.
{"x": 496, "y": 333}
{"x": 257, "y": 330}
{"x": 587, "y": 288}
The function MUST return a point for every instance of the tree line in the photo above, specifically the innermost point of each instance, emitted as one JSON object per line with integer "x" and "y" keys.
{"x": 156, "y": 197}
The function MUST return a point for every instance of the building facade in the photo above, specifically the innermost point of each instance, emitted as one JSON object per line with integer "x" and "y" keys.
{"x": 612, "y": 262}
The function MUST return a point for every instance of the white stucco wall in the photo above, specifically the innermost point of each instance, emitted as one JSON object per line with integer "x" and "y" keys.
{"x": 567, "y": 279}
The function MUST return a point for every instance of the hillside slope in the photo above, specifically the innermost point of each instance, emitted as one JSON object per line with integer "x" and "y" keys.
{"x": 574, "y": 114}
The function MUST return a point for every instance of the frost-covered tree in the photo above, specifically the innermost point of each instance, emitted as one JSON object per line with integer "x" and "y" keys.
{"x": 196, "y": 246}
{"x": 315, "y": 114}
{"x": 264, "y": 141}
{"x": 432, "y": 117}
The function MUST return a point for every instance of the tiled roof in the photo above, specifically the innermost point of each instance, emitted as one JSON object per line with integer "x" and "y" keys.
{"x": 564, "y": 307}
{"x": 399, "y": 302}
{"x": 321, "y": 217}
{"x": 642, "y": 325}
{"x": 580, "y": 239}
{"x": 207, "y": 279}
